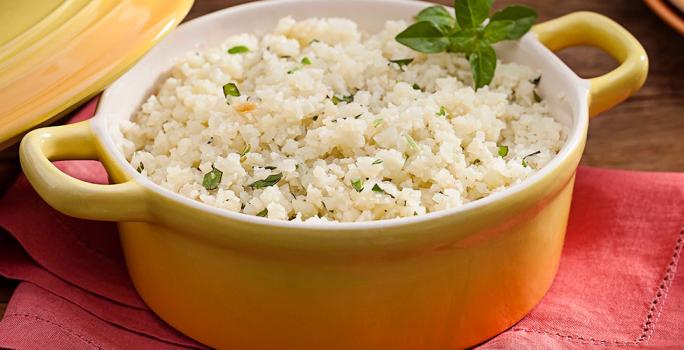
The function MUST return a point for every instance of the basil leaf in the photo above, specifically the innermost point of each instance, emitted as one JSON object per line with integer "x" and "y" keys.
{"x": 483, "y": 65}
{"x": 496, "y": 31}
{"x": 471, "y": 13}
{"x": 238, "y": 49}
{"x": 212, "y": 179}
{"x": 464, "y": 41}
{"x": 424, "y": 37}
{"x": 230, "y": 89}
{"x": 439, "y": 16}
{"x": 522, "y": 16}
{"x": 268, "y": 181}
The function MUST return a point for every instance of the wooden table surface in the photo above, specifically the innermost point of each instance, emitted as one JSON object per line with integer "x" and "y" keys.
{"x": 644, "y": 133}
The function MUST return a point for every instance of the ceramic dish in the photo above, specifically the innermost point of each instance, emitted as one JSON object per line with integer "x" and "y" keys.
{"x": 54, "y": 54}
{"x": 670, "y": 12}
{"x": 448, "y": 279}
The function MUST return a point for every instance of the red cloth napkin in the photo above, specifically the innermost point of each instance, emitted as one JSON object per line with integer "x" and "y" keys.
{"x": 617, "y": 285}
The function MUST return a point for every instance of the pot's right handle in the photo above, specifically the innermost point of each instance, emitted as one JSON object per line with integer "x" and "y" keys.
{"x": 589, "y": 28}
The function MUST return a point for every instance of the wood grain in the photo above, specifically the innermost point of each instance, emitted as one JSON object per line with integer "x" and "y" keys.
{"x": 644, "y": 133}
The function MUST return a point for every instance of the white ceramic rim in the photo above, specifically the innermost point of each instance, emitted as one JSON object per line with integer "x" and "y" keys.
{"x": 576, "y": 134}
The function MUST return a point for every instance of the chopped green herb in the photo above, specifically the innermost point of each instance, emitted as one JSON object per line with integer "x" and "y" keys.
{"x": 402, "y": 62}
{"x": 537, "y": 98}
{"x": 314, "y": 41}
{"x": 442, "y": 111}
{"x": 358, "y": 116}
{"x": 346, "y": 99}
{"x": 358, "y": 185}
{"x": 270, "y": 167}
{"x": 524, "y": 163}
{"x": 268, "y": 181}
{"x": 315, "y": 118}
{"x": 293, "y": 70}
{"x": 477, "y": 161}
{"x": 306, "y": 61}
{"x": 469, "y": 33}
{"x": 416, "y": 87}
{"x": 263, "y": 213}
{"x": 377, "y": 161}
{"x": 378, "y": 189}
{"x": 230, "y": 89}
{"x": 246, "y": 150}
{"x": 238, "y": 49}
{"x": 140, "y": 167}
{"x": 411, "y": 142}
{"x": 503, "y": 151}
{"x": 212, "y": 179}
{"x": 536, "y": 80}
{"x": 377, "y": 123}
{"x": 415, "y": 213}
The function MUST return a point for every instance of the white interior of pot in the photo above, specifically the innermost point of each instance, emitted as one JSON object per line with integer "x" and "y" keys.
{"x": 562, "y": 88}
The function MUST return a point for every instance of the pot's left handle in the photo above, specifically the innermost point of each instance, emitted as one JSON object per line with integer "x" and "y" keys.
{"x": 118, "y": 202}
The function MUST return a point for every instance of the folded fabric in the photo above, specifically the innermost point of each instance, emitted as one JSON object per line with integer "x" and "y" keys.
{"x": 617, "y": 285}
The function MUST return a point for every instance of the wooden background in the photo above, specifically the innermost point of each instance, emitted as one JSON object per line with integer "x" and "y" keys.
{"x": 644, "y": 133}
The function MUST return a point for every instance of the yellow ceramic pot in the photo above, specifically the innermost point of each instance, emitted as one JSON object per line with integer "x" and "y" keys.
{"x": 444, "y": 280}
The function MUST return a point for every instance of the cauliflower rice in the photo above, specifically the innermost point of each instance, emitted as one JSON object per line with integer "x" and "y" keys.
{"x": 334, "y": 130}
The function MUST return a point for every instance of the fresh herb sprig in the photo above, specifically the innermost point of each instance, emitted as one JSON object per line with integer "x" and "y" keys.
{"x": 436, "y": 30}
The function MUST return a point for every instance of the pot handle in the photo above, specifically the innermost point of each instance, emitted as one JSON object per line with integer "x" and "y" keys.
{"x": 589, "y": 28}
{"x": 118, "y": 202}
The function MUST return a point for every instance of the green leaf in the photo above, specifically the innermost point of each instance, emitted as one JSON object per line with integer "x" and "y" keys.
{"x": 347, "y": 99}
{"x": 416, "y": 87}
{"x": 536, "y": 80}
{"x": 377, "y": 161}
{"x": 358, "y": 185}
{"x": 212, "y": 179}
{"x": 270, "y": 180}
{"x": 483, "y": 65}
{"x": 230, "y": 89}
{"x": 442, "y": 111}
{"x": 140, "y": 167}
{"x": 522, "y": 16}
{"x": 471, "y": 13}
{"x": 527, "y": 156}
{"x": 263, "y": 213}
{"x": 424, "y": 37}
{"x": 496, "y": 31}
{"x": 464, "y": 41}
{"x": 377, "y": 188}
{"x": 503, "y": 151}
{"x": 439, "y": 16}
{"x": 246, "y": 150}
{"x": 306, "y": 61}
{"x": 411, "y": 142}
{"x": 238, "y": 49}
{"x": 402, "y": 62}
